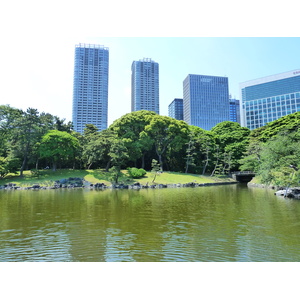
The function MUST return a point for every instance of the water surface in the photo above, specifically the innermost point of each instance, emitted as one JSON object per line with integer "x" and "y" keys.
{"x": 219, "y": 223}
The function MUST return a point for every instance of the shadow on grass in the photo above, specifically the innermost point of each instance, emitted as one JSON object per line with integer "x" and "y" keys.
{"x": 106, "y": 176}
{"x": 42, "y": 176}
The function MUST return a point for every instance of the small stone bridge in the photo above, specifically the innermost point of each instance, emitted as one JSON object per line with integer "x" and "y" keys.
{"x": 244, "y": 176}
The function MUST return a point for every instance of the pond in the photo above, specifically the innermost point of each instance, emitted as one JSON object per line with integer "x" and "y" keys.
{"x": 215, "y": 223}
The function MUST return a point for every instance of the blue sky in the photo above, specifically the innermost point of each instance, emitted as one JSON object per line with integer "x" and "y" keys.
{"x": 214, "y": 38}
{"x": 44, "y": 77}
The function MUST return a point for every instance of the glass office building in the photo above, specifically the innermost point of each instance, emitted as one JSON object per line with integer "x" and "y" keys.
{"x": 90, "y": 88}
{"x": 175, "y": 109}
{"x": 234, "y": 110}
{"x": 205, "y": 100}
{"x": 269, "y": 98}
{"x": 145, "y": 85}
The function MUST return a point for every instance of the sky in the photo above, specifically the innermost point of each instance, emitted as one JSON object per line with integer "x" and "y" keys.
{"x": 41, "y": 75}
{"x": 37, "y": 49}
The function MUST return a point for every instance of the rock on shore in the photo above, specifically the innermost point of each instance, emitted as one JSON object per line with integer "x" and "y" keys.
{"x": 280, "y": 191}
{"x": 289, "y": 193}
{"x": 72, "y": 183}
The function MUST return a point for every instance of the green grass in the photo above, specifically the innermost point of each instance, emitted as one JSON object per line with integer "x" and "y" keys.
{"x": 47, "y": 177}
{"x": 174, "y": 177}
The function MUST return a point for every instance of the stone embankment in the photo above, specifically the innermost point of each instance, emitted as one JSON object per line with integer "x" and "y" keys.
{"x": 280, "y": 191}
{"x": 72, "y": 183}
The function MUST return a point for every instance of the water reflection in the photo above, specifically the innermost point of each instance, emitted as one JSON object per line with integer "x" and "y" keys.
{"x": 224, "y": 223}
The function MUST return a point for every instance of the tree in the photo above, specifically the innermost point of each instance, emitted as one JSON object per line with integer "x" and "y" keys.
{"x": 155, "y": 168}
{"x": 59, "y": 124}
{"x": 58, "y": 145}
{"x": 289, "y": 124}
{"x": 8, "y": 165}
{"x": 130, "y": 127}
{"x": 203, "y": 147}
{"x": 232, "y": 140}
{"x": 8, "y": 115}
{"x": 26, "y": 133}
{"x": 91, "y": 151}
{"x": 21, "y": 132}
{"x": 97, "y": 148}
{"x": 166, "y": 133}
{"x": 277, "y": 155}
{"x": 190, "y": 152}
{"x": 89, "y": 130}
{"x": 118, "y": 154}
{"x": 252, "y": 158}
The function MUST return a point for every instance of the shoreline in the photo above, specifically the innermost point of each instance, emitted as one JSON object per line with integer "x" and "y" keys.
{"x": 78, "y": 183}
{"x": 286, "y": 192}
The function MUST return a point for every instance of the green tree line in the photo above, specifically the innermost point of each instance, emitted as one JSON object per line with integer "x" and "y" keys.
{"x": 273, "y": 152}
{"x": 33, "y": 140}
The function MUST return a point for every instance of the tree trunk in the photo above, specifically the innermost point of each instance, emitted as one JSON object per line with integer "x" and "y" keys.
{"x": 24, "y": 160}
{"x": 206, "y": 162}
{"x": 187, "y": 167}
{"x": 107, "y": 166}
{"x": 205, "y": 166}
{"x": 217, "y": 162}
{"x": 160, "y": 162}
{"x": 23, "y": 166}
{"x": 143, "y": 161}
{"x": 154, "y": 177}
{"x": 160, "y": 159}
{"x": 213, "y": 172}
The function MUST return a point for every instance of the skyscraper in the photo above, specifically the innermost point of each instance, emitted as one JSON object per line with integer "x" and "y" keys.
{"x": 145, "y": 85}
{"x": 90, "y": 88}
{"x": 175, "y": 109}
{"x": 234, "y": 110}
{"x": 205, "y": 100}
{"x": 269, "y": 98}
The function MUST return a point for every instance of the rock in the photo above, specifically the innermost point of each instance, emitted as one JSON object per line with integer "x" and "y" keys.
{"x": 289, "y": 193}
{"x": 99, "y": 185}
{"x": 280, "y": 193}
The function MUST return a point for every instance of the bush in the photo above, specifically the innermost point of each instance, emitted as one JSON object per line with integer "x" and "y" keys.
{"x": 136, "y": 173}
{"x": 8, "y": 165}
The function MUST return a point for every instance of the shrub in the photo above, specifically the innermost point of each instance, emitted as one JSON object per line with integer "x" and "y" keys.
{"x": 8, "y": 165}
{"x": 136, "y": 173}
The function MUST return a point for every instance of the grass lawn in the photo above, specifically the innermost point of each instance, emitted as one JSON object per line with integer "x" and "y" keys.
{"x": 47, "y": 177}
{"x": 174, "y": 177}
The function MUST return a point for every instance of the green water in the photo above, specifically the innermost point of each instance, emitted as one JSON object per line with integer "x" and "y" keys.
{"x": 221, "y": 223}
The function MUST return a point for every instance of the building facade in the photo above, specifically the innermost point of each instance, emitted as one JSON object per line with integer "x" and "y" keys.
{"x": 90, "y": 87}
{"x": 145, "y": 85}
{"x": 175, "y": 109}
{"x": 269, "y": 98}
{"x": 234, "y": 110}
{"x": 205, "y": 100}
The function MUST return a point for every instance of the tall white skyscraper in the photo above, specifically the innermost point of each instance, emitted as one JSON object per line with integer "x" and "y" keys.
{"x": 90, "y": 88}
{"x": 205, "y": 100}
{"x": 145, "y": 85}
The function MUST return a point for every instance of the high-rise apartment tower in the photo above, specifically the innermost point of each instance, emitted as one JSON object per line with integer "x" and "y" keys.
{"x": 145, "y": 85}
{"x": 90, "y": 88}
{"x": 269, "y": 98}
{"x": 205, "y": 100}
